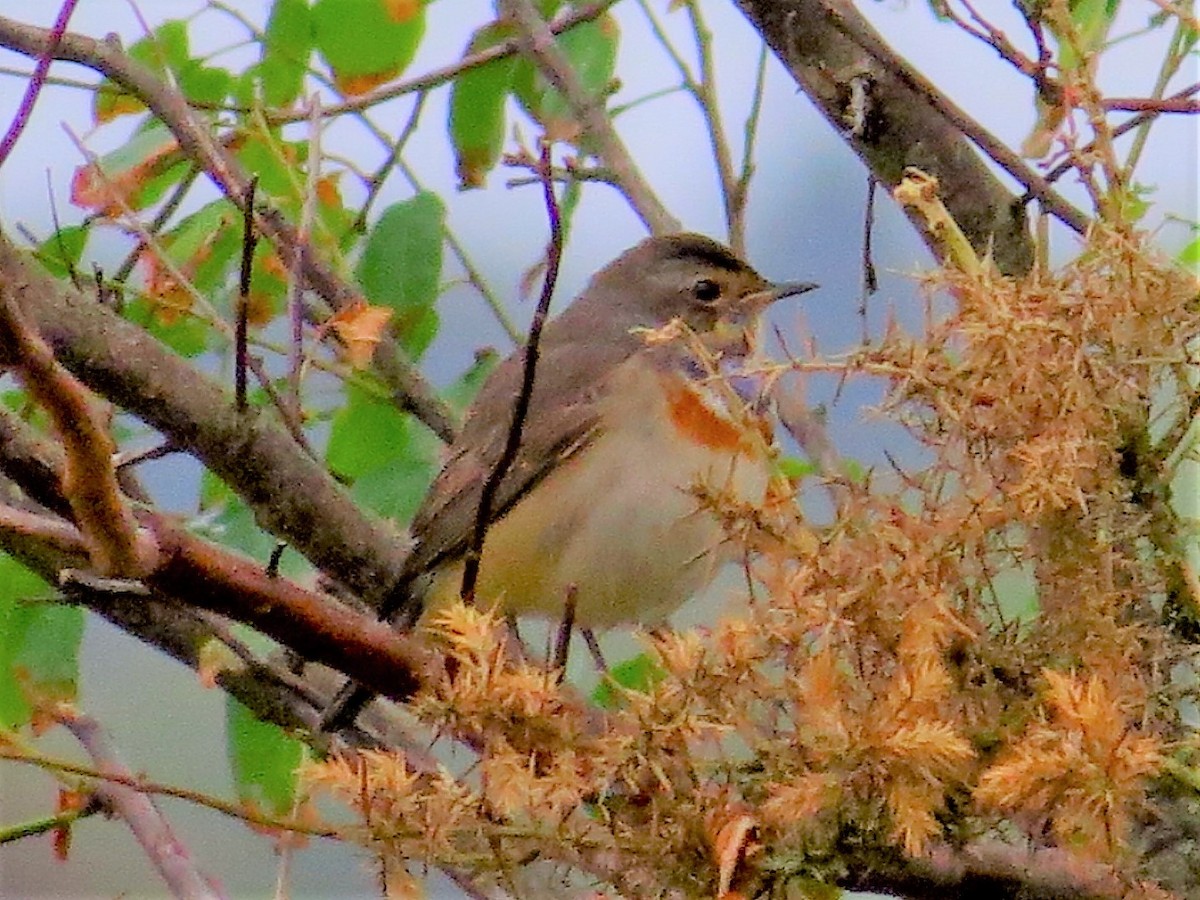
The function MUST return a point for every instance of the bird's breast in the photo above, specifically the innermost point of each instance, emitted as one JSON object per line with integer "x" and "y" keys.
{"x": 618, "y": 524}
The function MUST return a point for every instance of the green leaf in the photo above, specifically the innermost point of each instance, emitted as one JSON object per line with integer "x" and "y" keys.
{"x": 389, "y": 460}
{"x": 277, "y": 163}
{"x": 206, "y": 244}
{"x": 639, "y": 673}
{"x": 204, "y": 84}
{"x": 287, "y": 45}
{"x": 1093, "y": 19}
{"x": 477, "y": 109}
{"x": 166, "y": 49}
{"x": 591, "y": 48}
{"x": 854, "y": 471}
{"x": 60, "y": 253}
{"x": 365, "y": 432}
{"x": 230, "y": 522}
{"x": 39, "y": 643}
{"x": 263, "y": 760}
{"x": 460, "y": 394}
{"x": 1189, "y": 256}
{"x": 373, "y": 39}
{"x": 794, "y": 468}
{"x": 401, "y": 267}
{"x": 186, "y": 335}
{"x": 396, "y": 488}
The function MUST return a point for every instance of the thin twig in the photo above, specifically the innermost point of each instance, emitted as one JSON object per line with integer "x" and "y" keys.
{"x": 420, "y": 83}
{"x": 412, "y": 391}
{"x": 155, "y": 835}
{"x": 1140, "y": 119}
{"x": 242, "y": 312}
{"x": 157, "y": 224}
{"x": 870, "y": 282}
{"x": 295, "y": 286}
{"x": 538, "y": 43}
{"x": 750, "y": 131}
{"x": 1177, "y": 52}
{"x": 562, "y": 639}
{"x": 706, "y": 94}
{"x": 34, "y": 86}
{"x": 237, "y": 810}
{"x": 516, "y": 429}
{"x": 378, "y": 178}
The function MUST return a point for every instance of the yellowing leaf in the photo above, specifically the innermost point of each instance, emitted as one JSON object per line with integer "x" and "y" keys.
{"x": 356, "y": 85}
{"x": 360, "y": 326}
{"x": 401, "y": 10}
{"x": 111, "y": 104}
{"x": 327, "y": 190}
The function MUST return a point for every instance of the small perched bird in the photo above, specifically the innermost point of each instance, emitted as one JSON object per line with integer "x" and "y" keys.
{"x": 598, "y": 504}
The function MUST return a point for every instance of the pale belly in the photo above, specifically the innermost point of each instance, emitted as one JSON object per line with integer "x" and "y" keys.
{"x": 617, "y": 526}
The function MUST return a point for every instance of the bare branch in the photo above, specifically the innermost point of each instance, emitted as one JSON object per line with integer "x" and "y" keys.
{"x": 538, "y": 42}
{"x": 291, "y": 495}
{"x": 155, "y": 835}
{"x": 824, "y": 47}
{"x": 411, "y": 391}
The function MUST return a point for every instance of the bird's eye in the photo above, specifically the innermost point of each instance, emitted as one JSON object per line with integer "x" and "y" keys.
{"x": 706, "y": 290}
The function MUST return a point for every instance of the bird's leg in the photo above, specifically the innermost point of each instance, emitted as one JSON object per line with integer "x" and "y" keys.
{"x": 562, "y": 642}
{"x": 589, "y": 638}
{"x": 516, "y": 647}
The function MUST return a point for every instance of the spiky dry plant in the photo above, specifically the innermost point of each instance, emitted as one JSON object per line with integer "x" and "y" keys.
{"x": 881, "y": 706}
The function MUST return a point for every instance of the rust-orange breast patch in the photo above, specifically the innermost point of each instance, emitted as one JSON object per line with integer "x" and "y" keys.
{"x": 698, "y": 421}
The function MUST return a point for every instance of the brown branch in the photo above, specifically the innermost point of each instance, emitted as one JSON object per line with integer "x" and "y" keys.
{"x": 241, "y": 324}
{"x": 1153, "y": 104}
{"x": 410, "y": 389}
{"x": 323, "y": 630}
{"x": 1135, "y": 121}
{"x": 167, "y": 853}
{"x": 204, "y": 576}
{"x": 862, "y": 34}
{"x": 291, "y": 495}
{"x": 990, "y": 871}
{"x": 178, "y": 624}
{"x": 907, "y": 125}
{"x": 537, "y": 41}
{"x": 236, "y": 810}
{"x": 33, "y": 463}
{"x": 89, "y": 479}
{"x": 36, "y": 80}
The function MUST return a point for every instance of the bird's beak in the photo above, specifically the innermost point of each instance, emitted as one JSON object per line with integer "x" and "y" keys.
{"x": 790, "y": 289}
{"x": 760, "y": 300}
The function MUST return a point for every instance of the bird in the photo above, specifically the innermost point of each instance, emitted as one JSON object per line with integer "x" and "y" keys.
{"x": 634, "y": 403}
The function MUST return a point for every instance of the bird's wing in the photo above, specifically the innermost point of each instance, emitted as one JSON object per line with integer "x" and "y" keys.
{"x": 563, "y": 419}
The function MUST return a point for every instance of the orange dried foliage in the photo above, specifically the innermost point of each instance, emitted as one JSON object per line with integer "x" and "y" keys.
{"x": 1083, "y": 766}
{"x": 877, "y": 697}
{"x": 170, "y": 296}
